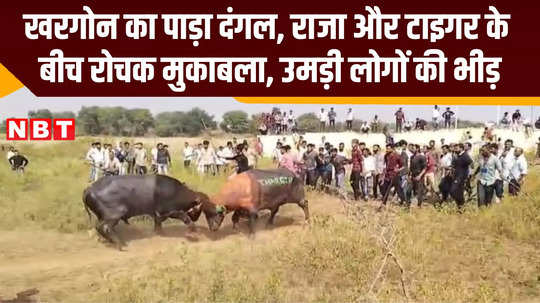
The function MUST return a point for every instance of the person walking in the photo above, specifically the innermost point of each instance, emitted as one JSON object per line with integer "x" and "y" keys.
{"x": 518, "y": 172}
{"x": 392, "y": 175}
{"x": 488, "y": 166}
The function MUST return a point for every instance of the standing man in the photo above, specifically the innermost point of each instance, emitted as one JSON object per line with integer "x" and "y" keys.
{"x": 140, "y": 159}
{"x": 208, "y": 158}
{"x": 323, "y": 116}
{"x": 516, "y": 120}
{"x": 292, "y": 121}
{"x": 436, "y": 117}
{"x": 392, "y": 175}
{"x": 339, "y": 162}
{"x": 310, "y": 162}
{"x": 446, "y": 172}
{"x": 488, "y": 166}
{"x": 375, "y": 124}
{"x": 447, "y": 116}
{"x": 379, "y": 170}
{"x": 518, "y": 172}
{"x": 356, "y": 171}
{"x": 418, "y": 171}
{"x": 276, "y": 154}
{"x": 368, "y": 172}
{"x": 130, "y": 158}
{"x": 460, "y": 166}
{"x": 187, "y": 154}
{"x": 163, "y": 160}
{"x": 95, "y": 157}
{"x": 400, "y": 118}
{"x": 153, "y": 160}
{"x": 332, "y": 117}
{"x": 349, "y": 120}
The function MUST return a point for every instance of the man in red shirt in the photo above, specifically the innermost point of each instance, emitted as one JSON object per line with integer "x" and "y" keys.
{"x": 392, "y": 177}
{"x": 356, "y": 173}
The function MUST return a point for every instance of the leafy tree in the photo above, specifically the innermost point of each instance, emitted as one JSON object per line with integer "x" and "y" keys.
{"x": 88, "y": 120}
{"x": 141, "y": 121}
{"x": 308, "y": 122}
{"x": 40, "y": 114}
{"x": 236, "y": 122}
{"x": 196, "y": 121}
{"x": 64, "y": 115}
{"x": 169, "y": 124}
{"x": 3, "y": 126}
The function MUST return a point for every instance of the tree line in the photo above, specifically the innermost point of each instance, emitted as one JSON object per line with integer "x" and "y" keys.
{"x": 120, "y": 121}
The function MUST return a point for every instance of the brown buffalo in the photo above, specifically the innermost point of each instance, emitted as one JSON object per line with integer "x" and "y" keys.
{"x": 247, "y": 193}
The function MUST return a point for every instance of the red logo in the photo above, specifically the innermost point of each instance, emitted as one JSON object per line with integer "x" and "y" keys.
{"x": 40, "y": 129}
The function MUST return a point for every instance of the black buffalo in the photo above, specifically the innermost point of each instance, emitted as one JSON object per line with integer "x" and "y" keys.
{"x": 117, "y": 198}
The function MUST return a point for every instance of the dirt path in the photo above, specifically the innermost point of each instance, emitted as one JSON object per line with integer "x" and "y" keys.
{"x": 55, "y": 263}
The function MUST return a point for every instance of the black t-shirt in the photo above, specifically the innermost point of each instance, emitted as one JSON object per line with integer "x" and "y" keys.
{"x": 18, "y": 161}
{"x": 516, "y": 116}
{"x": 241, "y": 161}
{"x": 418, "y": 164}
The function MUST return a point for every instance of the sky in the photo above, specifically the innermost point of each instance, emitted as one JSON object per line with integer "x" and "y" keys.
{"x": 20, "y": 102}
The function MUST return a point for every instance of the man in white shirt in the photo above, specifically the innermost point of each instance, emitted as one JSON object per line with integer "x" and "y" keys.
{"x": 518, "y": 172}
{"x": 436, "y": 117}
{"x": 292, "y": 121}
{"x": 208, "y": 158}
{"x": 323, "y": 117}
{"x": 276, "y": 153}
{"x": 95, "y": 158}
{"x": 349, "y": 119}
{"x": 368, "y": 171}
{"x": 507, "y": 159}
{"x": 187, "y": 154}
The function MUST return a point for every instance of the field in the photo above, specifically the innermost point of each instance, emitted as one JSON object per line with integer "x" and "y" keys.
{"x": 348, "y": 252}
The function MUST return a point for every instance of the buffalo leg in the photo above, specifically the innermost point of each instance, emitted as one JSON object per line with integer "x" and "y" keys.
{"x": 158, "y": 229}
{"x": 304, "y": 205}
{"x": 101, "y": 231}
{"x": 235, "y": 219}
{"x": 251, "y": 222}
{"x": 273, "y": 213}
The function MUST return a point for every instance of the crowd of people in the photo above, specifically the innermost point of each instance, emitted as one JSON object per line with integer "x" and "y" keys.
{"x": 409, "y": 172}
{"x": 284, "y": 122}
{"x": 202, "y": 158}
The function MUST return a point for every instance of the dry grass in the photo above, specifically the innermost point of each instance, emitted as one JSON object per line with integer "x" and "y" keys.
{"x": 488, "y": 255}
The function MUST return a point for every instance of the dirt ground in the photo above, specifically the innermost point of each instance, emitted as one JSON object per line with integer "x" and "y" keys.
{"x": 66, "y": 266}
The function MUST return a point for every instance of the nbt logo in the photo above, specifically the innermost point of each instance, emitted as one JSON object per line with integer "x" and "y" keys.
{"x": 40, "y": 129}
